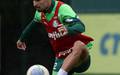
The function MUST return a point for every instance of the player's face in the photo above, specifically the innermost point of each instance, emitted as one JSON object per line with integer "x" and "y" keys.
{"x": 41, "y": 5}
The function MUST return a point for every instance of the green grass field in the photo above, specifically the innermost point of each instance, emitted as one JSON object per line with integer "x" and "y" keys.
{"x": 97, "y": 25}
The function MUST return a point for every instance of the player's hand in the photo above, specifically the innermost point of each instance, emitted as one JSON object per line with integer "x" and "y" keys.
{"x": 21, "y": 45}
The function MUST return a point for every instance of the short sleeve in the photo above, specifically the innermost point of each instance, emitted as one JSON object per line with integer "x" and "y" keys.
{"x": 64, "y": 11}
{"x": 37, "y": 16}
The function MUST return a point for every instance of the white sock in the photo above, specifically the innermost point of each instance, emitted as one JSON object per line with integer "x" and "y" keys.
{"x": 62, "y": 72}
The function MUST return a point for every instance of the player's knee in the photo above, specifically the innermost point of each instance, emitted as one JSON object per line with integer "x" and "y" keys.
{"x": 79, "y": 44}
{"x": 80, "y": 50}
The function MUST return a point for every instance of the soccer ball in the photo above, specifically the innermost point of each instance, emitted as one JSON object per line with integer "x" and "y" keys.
{"x": 37, "y": 70}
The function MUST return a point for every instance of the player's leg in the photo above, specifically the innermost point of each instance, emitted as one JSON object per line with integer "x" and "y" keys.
{"x": 76, "y": 57}
{"x": 85, "y": 65}
{"x": 82, "y": 68}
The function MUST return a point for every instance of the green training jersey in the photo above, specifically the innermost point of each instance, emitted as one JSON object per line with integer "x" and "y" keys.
{"x": 64, "y": 10}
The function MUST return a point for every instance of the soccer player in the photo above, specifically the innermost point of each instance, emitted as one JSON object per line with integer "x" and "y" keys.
{"x": 65, "y": 32}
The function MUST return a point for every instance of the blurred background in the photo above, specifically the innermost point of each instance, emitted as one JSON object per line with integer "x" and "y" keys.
{"x": 102, "y": 21}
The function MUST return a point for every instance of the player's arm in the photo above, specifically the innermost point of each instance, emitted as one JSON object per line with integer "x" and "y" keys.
{"x": 30, "y": 26}
{"x": 74, "y": 25}
{"x": 26, "y": 32}
{"x": 71, "y": 21}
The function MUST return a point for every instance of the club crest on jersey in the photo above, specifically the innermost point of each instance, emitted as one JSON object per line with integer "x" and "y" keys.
{"x": 55, "y": 23}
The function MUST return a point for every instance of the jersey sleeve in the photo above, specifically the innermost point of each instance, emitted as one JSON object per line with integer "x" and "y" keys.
{"x": 27, "y": 30}
{"x": 70, "y": 20}
{"x": 37, "y": 16}
{"x": 64, "y": 11}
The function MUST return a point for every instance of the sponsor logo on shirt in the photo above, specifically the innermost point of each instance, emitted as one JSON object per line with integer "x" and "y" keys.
{"x": 60, "y": 32}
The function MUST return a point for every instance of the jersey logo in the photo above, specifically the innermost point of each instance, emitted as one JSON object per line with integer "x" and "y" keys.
{"x": 55, "y": 23}
{"x": 64, "y": 53}
{"x": 61, "y": 31}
